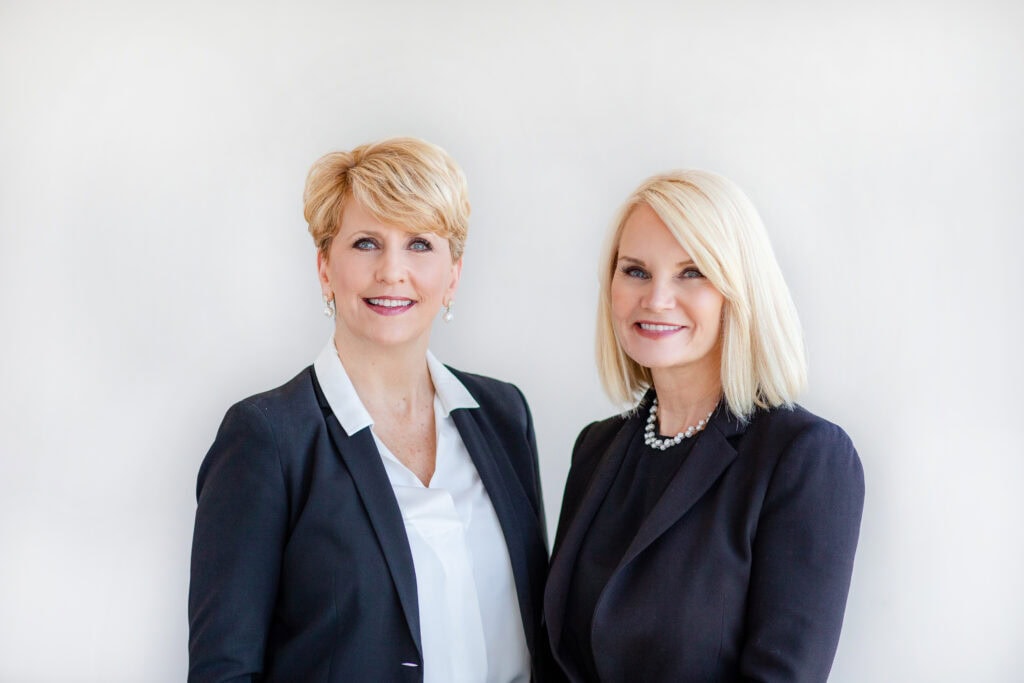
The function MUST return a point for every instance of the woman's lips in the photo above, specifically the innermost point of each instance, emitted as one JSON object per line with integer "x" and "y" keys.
{"x": 655, "y": 330}
{"x": 385, "y": 305}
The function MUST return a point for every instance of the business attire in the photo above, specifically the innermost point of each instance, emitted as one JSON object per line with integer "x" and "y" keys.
{"x": 318, "y": 556}
{"x": 725, "y": 558}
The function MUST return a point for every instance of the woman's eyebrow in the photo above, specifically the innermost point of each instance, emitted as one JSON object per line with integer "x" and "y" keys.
{"x": 630, "y": 259}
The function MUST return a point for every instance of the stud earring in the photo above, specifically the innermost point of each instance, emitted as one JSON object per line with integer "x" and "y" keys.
{"x": 329, "y": 309}
{"x": 449, "y": 312}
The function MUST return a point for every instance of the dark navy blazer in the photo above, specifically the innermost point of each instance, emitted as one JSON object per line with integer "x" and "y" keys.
{"x": 741, "y": 570}
{"x": 301, "y": 569}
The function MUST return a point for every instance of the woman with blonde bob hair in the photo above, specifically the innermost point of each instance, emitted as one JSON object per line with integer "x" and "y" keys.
{"x": 378, "y": 517}
{"x": 707, "y": 534}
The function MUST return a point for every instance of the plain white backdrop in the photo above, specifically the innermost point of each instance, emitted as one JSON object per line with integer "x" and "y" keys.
{"x": 155, "y": 268}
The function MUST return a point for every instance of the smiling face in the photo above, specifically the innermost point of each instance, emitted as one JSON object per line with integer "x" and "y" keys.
{"x": 666, "y": 314}
{"x": 387, "y": 283}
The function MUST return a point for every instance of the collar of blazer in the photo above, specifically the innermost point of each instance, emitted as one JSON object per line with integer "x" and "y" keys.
{"x": 363, "y": 460}
{"x": 711, "y": 456}
{"x": 509, "y": 500}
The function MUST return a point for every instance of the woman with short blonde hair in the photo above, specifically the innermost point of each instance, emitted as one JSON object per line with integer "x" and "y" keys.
{"x": 403, "y": 181}
{"x": 378, "y": 517}
{"x": 708, "y": 533}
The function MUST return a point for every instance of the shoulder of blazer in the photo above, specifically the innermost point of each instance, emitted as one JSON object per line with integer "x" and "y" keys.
{"x": 590, "y": 448}
{"x": 293, "y": 395}
{"x": 290, "y": 412}
{"x": 785, "y": 427}
{"x": 593, "y": 439}
{"x": 795, "y": 444}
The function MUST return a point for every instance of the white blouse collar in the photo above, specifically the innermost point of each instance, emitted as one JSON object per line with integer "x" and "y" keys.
{"x": 352, "y": 414}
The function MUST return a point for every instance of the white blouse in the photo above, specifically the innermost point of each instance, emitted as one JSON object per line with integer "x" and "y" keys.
{"x": 470, "y": 625}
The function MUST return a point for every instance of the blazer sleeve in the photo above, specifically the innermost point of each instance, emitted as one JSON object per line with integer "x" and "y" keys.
{"x": 587, "y": 452}
{"x": 531, "y": 440}
{"x": 575, "y": 485}
{"x": 237, "y": 545}
{"x": 803, "y": 558}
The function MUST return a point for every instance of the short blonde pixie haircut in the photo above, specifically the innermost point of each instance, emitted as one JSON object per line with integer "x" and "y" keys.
{"x": 763, "y": 364}
{"x": 405, "y": 182}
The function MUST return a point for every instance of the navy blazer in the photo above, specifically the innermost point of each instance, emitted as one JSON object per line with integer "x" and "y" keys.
{"x": 741, "y": 570}
{"x": 301, "y": 569}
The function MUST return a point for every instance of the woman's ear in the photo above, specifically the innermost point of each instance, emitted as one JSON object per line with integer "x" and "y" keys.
{"x": 322, "y": 275}
{"x": 456, "y": 274}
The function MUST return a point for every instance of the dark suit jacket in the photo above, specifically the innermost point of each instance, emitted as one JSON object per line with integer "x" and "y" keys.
{"x": 301, "y": 570}
{"x": 741, "y": 570}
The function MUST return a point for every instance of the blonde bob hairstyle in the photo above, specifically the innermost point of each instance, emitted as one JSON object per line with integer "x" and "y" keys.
{"x": 405, "y": 182}
{"x": 763, "y": 363}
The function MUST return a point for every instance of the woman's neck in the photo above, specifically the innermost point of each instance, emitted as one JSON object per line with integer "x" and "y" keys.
{"x": 394, "y": 385}
{"x": 389, "y": 380}
{"x": 686, "y": 395}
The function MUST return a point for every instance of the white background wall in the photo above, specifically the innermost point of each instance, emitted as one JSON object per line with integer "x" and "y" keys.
{"x": 154, "y": 267}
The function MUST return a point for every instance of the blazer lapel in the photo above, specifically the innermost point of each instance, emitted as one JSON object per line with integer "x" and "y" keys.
{"x": 711, "y": 455}
{"x": 507, "y": 497}
{"x": 564, "y": 563}
{"x": 361, "y": 457}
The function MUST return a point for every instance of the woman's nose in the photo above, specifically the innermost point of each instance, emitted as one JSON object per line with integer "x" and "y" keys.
{"x": 391, "y": 266}
{"x": 659, "y": 296}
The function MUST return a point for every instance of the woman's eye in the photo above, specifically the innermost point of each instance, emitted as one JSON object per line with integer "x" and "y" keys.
{"x": 692, "y": 273}
{"x": 635, "y": 271}
{"x": 420, "y": 244}
{"x": 365, "y": 244}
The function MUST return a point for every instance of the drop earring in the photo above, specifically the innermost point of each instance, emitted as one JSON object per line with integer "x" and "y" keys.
{"x": 449, "y": 311}
{"x": 329, "y": 309}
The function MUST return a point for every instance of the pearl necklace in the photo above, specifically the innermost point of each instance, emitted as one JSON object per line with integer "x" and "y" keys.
{"x": 658, "y": 443}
